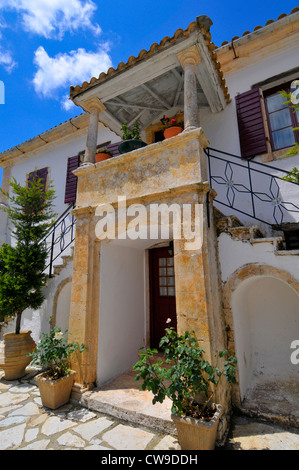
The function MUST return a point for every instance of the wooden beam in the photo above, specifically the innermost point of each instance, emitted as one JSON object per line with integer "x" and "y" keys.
{"x": 134, "y": 106}
{"x": 156, "y": 95}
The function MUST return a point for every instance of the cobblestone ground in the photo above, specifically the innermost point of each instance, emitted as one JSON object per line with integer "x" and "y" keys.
{"x": 26, "y": 425}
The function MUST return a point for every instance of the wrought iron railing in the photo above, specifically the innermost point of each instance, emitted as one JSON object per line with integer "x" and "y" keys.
{"x": 60, "y": 236}
{"x": 252, "y": 188}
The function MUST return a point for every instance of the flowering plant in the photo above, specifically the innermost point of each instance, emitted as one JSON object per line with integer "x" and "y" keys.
{"x": 169, "y": 122}
{"x": 53, "y": 353}
{"x": 104, "y": 150}
{"x": 185, "y": 375}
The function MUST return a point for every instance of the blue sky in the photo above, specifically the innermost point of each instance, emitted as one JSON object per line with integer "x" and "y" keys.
{"x": 48, "y": 45}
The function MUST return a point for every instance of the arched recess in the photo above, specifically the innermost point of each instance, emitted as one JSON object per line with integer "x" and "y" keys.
{"x": 61, "y": 305}
{"x": 261, "y": 305}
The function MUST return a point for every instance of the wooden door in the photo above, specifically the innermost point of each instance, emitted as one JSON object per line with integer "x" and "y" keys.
{"x": 162, "y": 289}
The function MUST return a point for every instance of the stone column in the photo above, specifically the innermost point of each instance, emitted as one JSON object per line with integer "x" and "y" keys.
{"x": 188, "y": 59}
{"x": 84, "y": 311}
{"x": 95, "y": 107}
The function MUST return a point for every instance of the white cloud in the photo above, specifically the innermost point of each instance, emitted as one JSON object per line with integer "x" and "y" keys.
{"x": 52, "y": 18}
{"x": 6, "y": 61}
{"x": 55, "y": 73}
{"x": 66, "y": 103}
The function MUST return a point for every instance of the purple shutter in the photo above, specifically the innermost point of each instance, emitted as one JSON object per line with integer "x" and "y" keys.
{"x": 114, "y": 148}
{"x": 251, "y": 124}
{"x": 71, "y": 179}
{"x": 39, "y": 174}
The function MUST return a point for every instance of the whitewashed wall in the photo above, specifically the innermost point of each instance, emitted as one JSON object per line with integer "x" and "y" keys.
{"x": 265, "y": 311}
{"x": 222, "y": 129}
{"x": 56, "y": 160}
{"x": 122, "y": 309}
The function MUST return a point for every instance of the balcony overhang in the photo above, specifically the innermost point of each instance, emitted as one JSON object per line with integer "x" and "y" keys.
{"x": 152, "y": 84}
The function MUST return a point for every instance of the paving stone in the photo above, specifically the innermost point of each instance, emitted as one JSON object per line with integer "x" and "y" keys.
{"x": 9, "y": 398}
{"x": 4, "y": 387}
{"x": 7, "y": 409}
{"x": 96, "y": 447}
{"x": 55, "y": 424}
{"x": 31, "y": 434}
{"x": 11, "y": 421}
{"x": 12, "y": 437}
{"x": 30, "y": 409}
{"x": 39, "y": 420}
{"x": 69, "y": 439}
{"x": 262, "y": 436}
{"x": 126, "y": 438}
{"x": 168, "y": 443}
{"x": 37, "y": 445}
{"x": 93, "y": 428}
{"x": 22, "y": 388}
{"x": 82, "y": 415}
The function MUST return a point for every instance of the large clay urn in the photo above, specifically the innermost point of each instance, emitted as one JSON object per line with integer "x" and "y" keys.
{"x": 13, "y": 354}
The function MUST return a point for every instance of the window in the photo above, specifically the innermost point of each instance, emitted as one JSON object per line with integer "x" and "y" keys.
{"x": 166, "y": 277}
{"x": 281, "y": 118}
{"x": 38, "y": 174}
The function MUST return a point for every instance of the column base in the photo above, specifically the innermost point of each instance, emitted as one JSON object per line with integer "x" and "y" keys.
{"x": 190, "y": 128}
{"x": 87, "y": 164}
{"x": 78, "y": 390}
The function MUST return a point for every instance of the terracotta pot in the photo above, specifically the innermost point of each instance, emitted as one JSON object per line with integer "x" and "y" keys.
{"x": 55, "y": 393}
{"x": 172, "y": 131}
{"x": 13, "y": 354}
{"x": 194, "y": 434}
{"x": 99, "y": 157}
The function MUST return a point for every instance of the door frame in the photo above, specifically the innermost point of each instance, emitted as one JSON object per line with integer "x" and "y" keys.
{"x": 151, "y": 291}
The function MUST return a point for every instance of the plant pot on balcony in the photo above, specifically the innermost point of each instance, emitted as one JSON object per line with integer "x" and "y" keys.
{"x": 130, "y": 145}
{"x": 99, "y": 157}
{"x": 172, "y": 131}
{"x": 196, "y": 434}
{"x": 55, "y": 393}
{"x": 14, "y": 352}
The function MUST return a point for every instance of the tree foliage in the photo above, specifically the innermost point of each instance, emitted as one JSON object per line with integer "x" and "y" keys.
{"x": 22, "y": 263}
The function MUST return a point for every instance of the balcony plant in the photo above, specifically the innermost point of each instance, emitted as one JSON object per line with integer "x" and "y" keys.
{"x": 190, "y": 382}
{"x": 21, "y": 268}
{"x": 172, "y": 128}
{"x": 53, "y": 354}
{"x": 102, "y": 154}
{"x": 131, "y": 139}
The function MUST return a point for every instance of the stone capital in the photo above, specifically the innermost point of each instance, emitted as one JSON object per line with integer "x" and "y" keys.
{"x": 93, "y": 104}
{"x": 189, "y": 56}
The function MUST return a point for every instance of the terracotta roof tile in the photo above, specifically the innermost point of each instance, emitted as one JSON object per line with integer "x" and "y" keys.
{"x": 283, "y": 15}
{"x": 155, "y": 47}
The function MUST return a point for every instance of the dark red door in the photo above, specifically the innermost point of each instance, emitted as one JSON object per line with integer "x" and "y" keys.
{"x": 162, "y": 286}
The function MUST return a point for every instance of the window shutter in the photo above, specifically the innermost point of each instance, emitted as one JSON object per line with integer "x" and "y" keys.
{"x": 114, "y": 148}
{"x": 251, "y": 123}
{"x": 71, "y": 179}
{"x": 39, "y": 174}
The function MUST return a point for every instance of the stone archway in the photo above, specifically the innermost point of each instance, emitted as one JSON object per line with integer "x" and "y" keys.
{"x": 61, "y": 305}
{"x": 262, "y": 316}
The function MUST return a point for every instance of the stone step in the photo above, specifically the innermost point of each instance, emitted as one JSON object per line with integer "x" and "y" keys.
{"x": 57, "y": 268}
{"x": 245, "y": 233}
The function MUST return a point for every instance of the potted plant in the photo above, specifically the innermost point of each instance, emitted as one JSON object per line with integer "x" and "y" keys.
{"x": 102, "y": 154}
{"x": 21, "y": 268}
{"x": 131, "y": 139}
{"x": 190, "y": 381}
{"x": 172, "y": 128}
{"x": 53, "y": 353}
